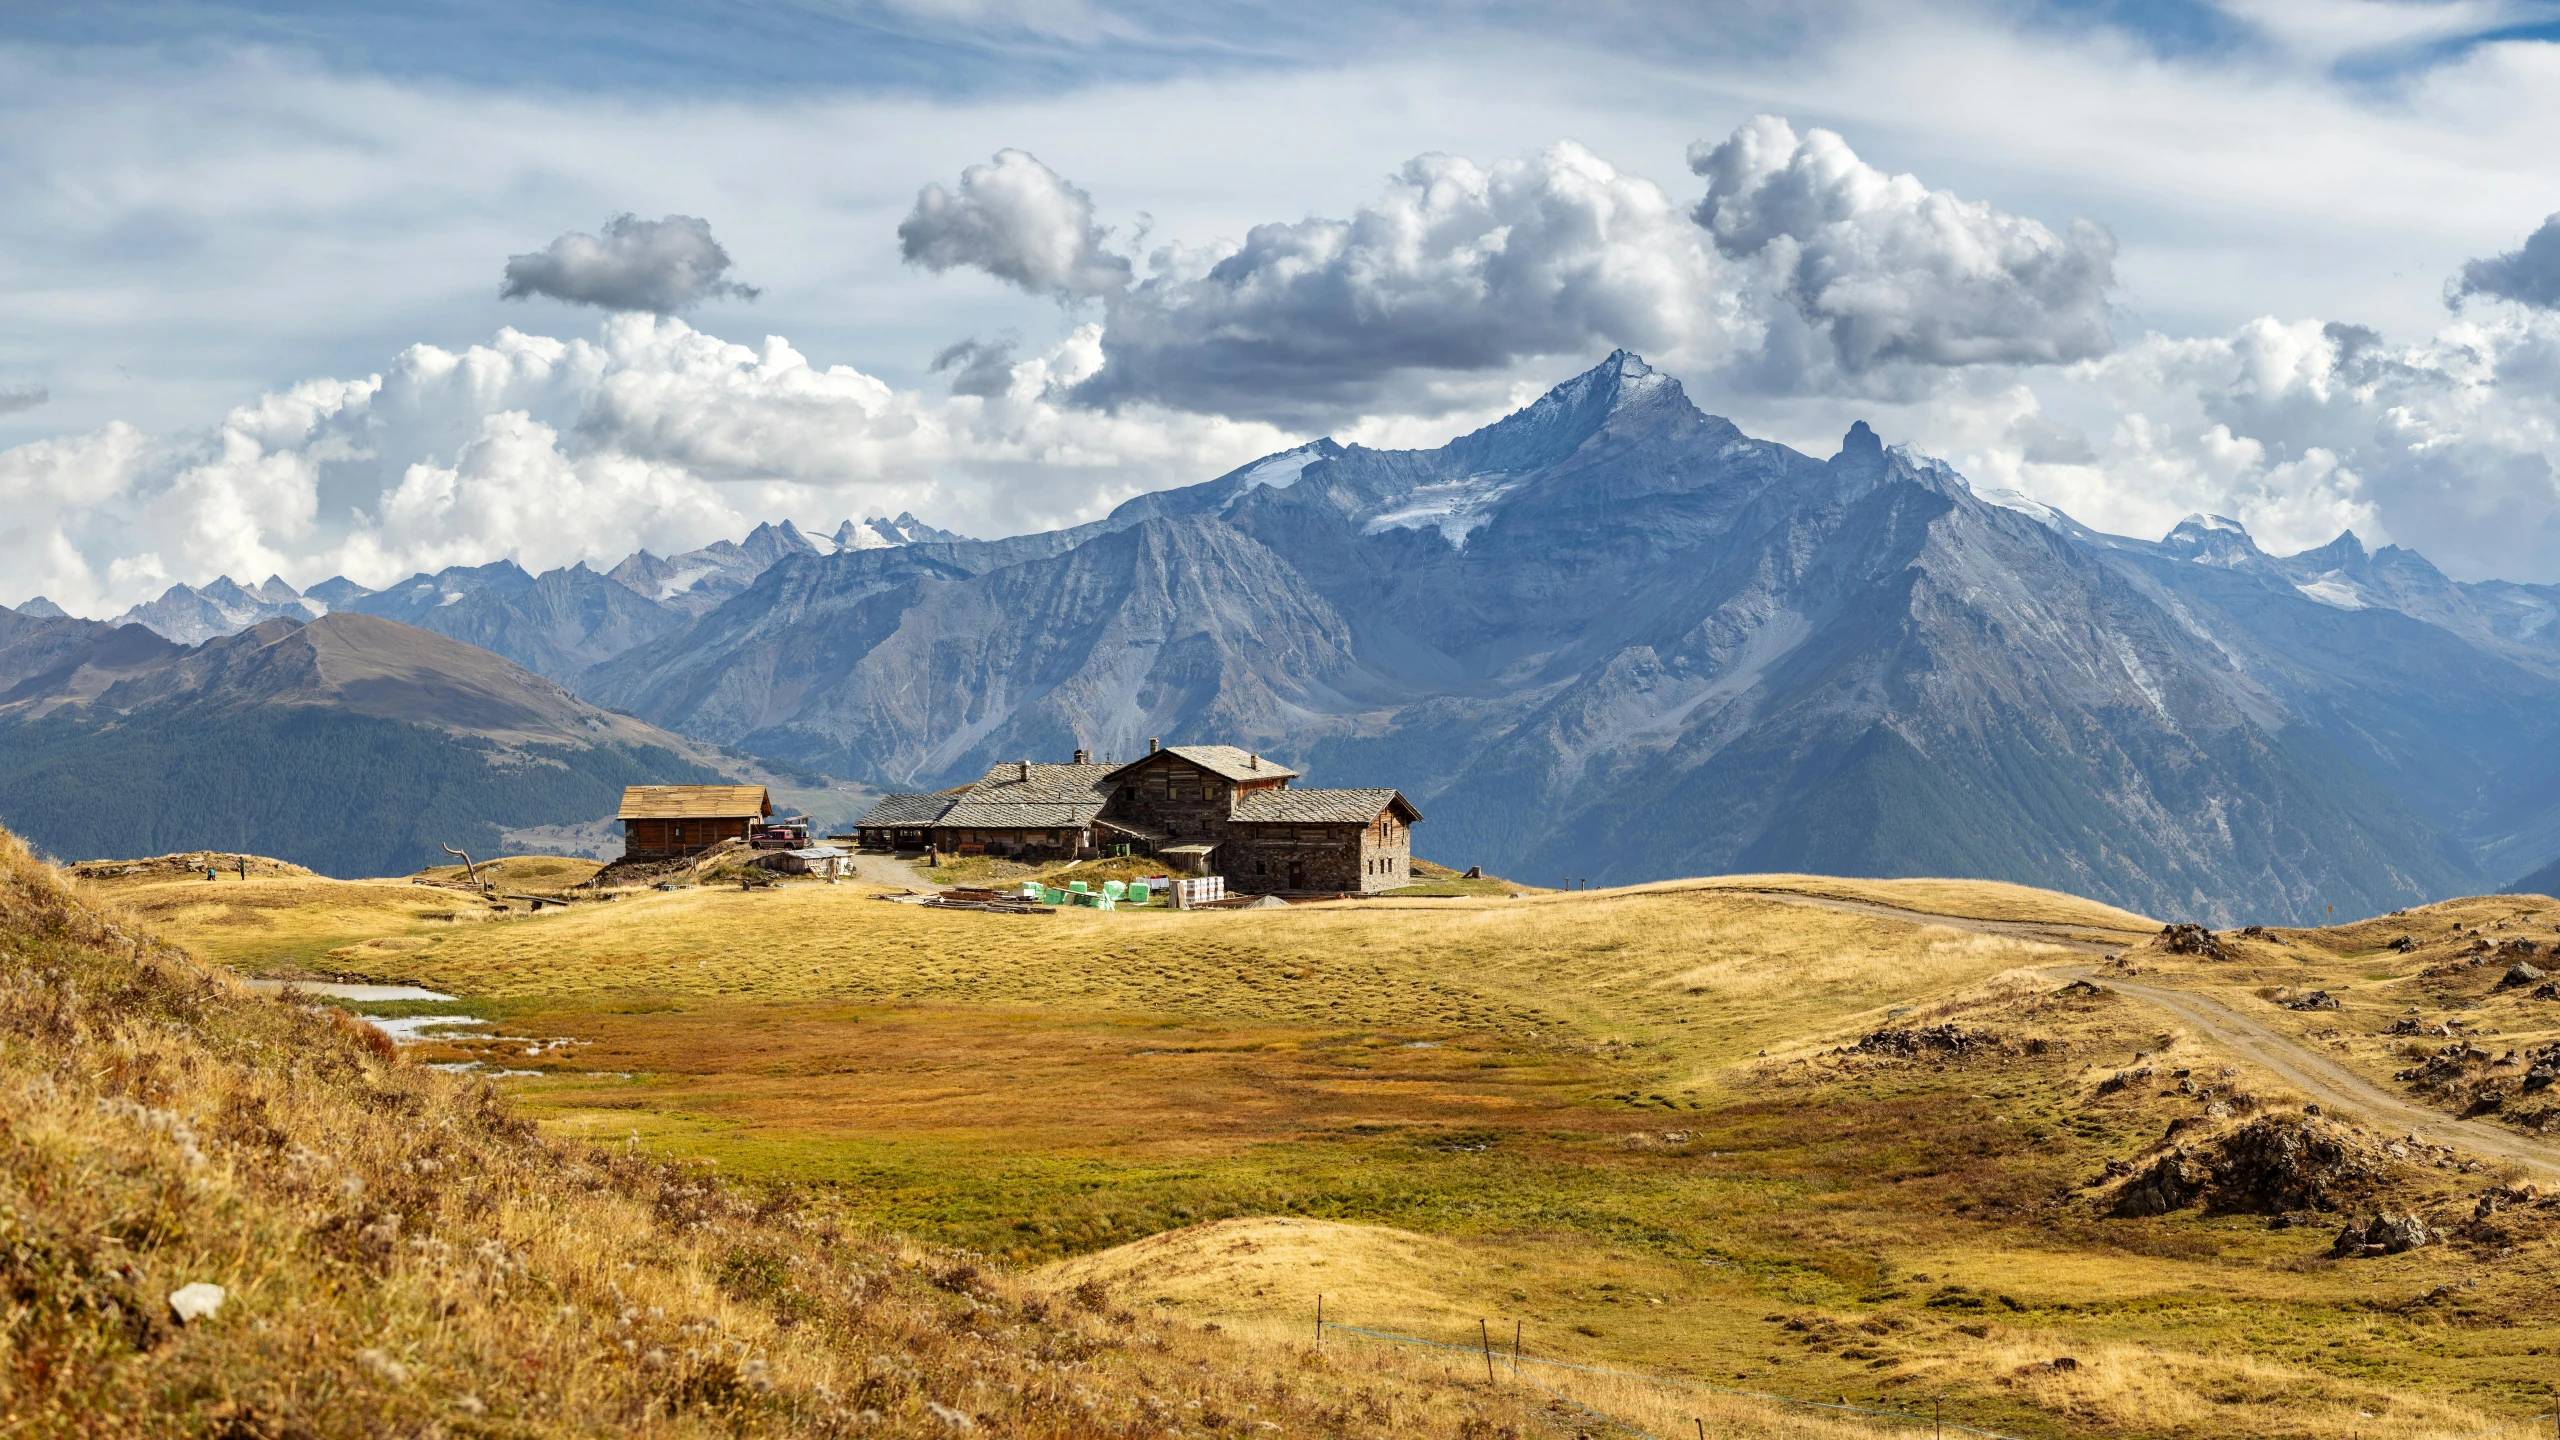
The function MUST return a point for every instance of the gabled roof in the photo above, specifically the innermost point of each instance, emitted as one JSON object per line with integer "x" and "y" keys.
{"x": 974, "y": 814}
{"x": 905, "y": 810}
{"x": 694, "y": 802}
{"x": 1320, "y": 807}
{"x": 1226, "y": 761}
{"x": 1020, "y": 795}
{"x": 1021, "y": 780}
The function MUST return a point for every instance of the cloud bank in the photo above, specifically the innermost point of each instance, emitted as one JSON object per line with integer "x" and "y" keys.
{"x": 660, "y": 266}
{"x": 552, "y": 451}
{"x": 14, "y": 398}
{"x": 1793, "y": 287}
{"x": 1803, "y": 270}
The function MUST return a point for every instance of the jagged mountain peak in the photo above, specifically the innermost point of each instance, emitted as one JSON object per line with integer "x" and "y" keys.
{"x": 879, "y": 532}
{"x": 2213, "y": 540}
{"x": 1610, "y": 394}
{"x": 769, "y": 542}
{"x": 38, "y": 607}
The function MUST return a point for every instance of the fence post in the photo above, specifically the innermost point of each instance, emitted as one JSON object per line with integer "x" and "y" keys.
{"x": 1486, "y": 1335}
{"x": 1937, "y": 1415}
{"x": 1515, "y": 1349}
{"x": 1319, "y": 1322}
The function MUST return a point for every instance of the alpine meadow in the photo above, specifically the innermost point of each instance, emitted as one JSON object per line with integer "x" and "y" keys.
{"x": 1412, "y": 722}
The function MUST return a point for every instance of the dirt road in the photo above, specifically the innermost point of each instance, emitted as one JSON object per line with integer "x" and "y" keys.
{"x": 2089, "y": 939}
{"x": 888, "y": 870}
{"x": 2317, "y": 1076}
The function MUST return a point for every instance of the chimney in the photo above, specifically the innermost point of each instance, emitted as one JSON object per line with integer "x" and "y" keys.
{"x": 1026, "y": 768}
{"x": 1151, "y": 746}
{"x": 1253, "y": 762}
{"x": 1082, "y": 756}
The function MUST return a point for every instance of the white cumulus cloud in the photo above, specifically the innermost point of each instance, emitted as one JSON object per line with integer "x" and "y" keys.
{"x": 656, "y": 265}
{"x": 1455, "y": 270}
{"x": 1886, "y": 269}
{"x": 1016, "y": 219}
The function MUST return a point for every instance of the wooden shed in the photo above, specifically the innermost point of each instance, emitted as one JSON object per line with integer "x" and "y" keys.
{"x": 663, "y": 821}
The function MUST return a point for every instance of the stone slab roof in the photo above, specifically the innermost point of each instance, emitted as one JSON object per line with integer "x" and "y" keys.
{"x": 1320, "y": 807}
{"x": 905, "y": 810}
{"x": 1228, "y": 761}
{"x": 973, "y": 813}
{"x": 1021, "y": 780}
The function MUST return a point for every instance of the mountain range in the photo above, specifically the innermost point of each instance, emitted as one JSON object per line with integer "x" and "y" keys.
{"x": 349, "y": 743}
{"x": 1613, "y": 637}
{"x": 556, "y": 623}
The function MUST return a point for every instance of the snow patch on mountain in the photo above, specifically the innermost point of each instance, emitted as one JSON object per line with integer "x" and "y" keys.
{"x": 2021, "y": 502}
{"x": 1282, "y": 470}
{"x": 1456, "y": 508}
{"x": 2335, "y": 592}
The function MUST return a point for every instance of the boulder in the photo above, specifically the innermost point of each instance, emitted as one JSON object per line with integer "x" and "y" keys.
{"x": 2521, "y": 973}
{"x": 2383, "y": 1234}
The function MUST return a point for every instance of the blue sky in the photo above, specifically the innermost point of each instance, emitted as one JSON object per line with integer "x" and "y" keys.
{"x": 209, "y": 210}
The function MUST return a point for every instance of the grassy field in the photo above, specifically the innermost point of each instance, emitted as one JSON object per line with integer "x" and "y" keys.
{"x": 370, "y": 1248}
{"x": 1622, "y": 1121}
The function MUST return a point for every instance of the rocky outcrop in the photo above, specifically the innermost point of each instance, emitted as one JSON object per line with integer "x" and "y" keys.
{"x": 2270, "y": 1165}
{"x": 2382, "y": 1234}
{"x": 2191, "y": 940}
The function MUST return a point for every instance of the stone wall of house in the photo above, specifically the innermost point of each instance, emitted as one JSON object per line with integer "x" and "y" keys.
{"x": 1179, "y": 800}
{"x": 1258, "y": 859}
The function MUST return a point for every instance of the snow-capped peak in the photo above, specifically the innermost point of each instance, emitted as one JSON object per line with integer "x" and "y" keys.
{"x": 2021, "y": 502}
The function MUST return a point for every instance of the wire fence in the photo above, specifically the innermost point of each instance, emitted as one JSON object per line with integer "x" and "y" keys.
{"x": 2548, "y": 1421}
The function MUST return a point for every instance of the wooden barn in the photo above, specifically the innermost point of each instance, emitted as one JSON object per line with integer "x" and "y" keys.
{"x": 665, "y": 821}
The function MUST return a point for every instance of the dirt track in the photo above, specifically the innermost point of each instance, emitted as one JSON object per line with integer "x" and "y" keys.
{"x": 2316, "y": 1075}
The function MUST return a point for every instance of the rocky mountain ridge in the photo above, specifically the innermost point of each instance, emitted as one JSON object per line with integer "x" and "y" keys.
{"x": 1613, "y": 636}
{"x": 558, "y": 623}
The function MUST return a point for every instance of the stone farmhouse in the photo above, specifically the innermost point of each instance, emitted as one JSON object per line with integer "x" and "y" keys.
{"x": 1201, "y": 809}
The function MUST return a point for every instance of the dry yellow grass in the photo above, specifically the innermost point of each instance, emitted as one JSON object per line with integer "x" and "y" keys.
{"x": 1714, "y": 972}
{"x": 399, "y": 1256}
{"x": 286, "y": 926}
{"x": 1554, "y": 1111}
{"x": 1972, "y": 899}
{"x": 1261, "y": 1276}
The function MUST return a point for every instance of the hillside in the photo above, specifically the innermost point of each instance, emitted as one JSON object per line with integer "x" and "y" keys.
{"x": 1612, "y": 636}
{"x": 351, "y": 744}
{"x": 395, "y": 1253}
{"x": 1786, "y": 1134}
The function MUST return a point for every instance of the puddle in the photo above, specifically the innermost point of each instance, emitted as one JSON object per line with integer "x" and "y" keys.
{"x": 409, "y": 1029}
{"x": 337, "y": 990}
